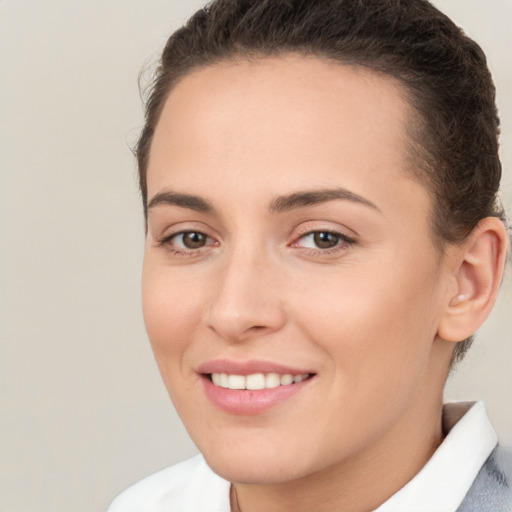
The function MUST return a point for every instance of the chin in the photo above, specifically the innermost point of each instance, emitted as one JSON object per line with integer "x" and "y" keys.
{"x": 260, "y": 472}
{"x": 257, "y": 466}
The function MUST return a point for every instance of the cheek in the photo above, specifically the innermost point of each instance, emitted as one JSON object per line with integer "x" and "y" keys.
{"x": 372, "y": 323}
{"x": 171, "y": 316}
{"x": 376, "y": 332}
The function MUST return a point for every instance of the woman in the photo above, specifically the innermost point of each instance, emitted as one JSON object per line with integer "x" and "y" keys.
{"x": 324, "y": 237}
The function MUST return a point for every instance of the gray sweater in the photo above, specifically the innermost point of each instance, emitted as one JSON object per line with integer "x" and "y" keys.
{"x": 492, "y": 489}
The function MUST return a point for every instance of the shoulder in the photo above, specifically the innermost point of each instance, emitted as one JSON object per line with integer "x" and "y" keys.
{"x": 185, "y": 487}
{"x": 497, "y": 470}
{"x": 492, "y": 489}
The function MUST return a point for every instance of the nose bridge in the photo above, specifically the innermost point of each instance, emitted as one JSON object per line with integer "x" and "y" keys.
{"x": 244, "y": 303}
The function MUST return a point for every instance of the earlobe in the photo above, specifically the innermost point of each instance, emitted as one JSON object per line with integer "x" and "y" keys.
{"x": 477, "y": 274}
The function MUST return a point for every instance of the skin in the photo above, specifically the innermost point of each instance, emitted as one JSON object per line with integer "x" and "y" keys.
{"x": 363, "y": 316}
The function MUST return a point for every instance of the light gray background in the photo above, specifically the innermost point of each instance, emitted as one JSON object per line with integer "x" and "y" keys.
{"x": 83, "y": 411}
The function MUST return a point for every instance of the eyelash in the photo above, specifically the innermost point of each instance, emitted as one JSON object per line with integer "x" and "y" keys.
{"x": 166, "y": 242}
{"x": 344, "y": 242}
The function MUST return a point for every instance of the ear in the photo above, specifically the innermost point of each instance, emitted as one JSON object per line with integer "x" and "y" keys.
{"x": 477, "y": 274}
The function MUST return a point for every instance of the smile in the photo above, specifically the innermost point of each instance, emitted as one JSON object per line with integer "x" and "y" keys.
{"x": 253, "y": 386}
{"x": 256, "y": 381}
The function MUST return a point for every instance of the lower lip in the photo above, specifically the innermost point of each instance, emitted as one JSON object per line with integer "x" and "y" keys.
{"x": 248, "y": 402}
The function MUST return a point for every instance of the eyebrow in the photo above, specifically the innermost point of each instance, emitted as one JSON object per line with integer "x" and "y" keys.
{"x": 314, "y": 197}
{"x": 191, "y": 202}
{"x": 279, "y": 204}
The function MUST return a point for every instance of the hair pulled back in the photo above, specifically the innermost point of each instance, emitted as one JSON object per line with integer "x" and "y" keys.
{"x": 443, "y": 72}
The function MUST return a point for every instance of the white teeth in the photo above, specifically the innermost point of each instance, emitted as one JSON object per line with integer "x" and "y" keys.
{"x": 236, "y": 382}
{"x": 272, "y": 380}
{"x": 286, "y": 379}
{"x": 223, "y": 380}
{"x": 256, "y": 381}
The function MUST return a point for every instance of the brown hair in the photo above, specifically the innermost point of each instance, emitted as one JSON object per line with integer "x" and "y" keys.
{"x": 444, "y": 73}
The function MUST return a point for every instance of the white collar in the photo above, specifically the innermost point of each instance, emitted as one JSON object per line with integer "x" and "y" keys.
{"x": 446, "y": 478}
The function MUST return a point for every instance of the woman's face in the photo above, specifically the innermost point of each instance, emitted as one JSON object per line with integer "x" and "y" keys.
{"x": 287, "y": 241}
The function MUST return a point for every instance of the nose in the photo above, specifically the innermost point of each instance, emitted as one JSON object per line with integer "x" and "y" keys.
{"x": 245, "y": 303}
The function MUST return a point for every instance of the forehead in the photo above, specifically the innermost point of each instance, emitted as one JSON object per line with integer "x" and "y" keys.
{"x": 277, "y": 122}
{"x": 291, "y": 92}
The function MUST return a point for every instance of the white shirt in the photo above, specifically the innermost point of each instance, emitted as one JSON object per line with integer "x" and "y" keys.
{"x": 191, "y": 486}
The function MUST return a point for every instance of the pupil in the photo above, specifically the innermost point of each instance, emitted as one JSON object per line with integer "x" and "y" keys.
{"x": 194, "y": 240}
{"x": 325, "y": 240}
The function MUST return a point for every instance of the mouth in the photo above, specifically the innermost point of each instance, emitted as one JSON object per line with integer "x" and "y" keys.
{"x": 252, "y": 387}
{"x": 256, "y": 381}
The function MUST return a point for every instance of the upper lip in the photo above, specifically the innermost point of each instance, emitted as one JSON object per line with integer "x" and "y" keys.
{"x": 248, "y": 367}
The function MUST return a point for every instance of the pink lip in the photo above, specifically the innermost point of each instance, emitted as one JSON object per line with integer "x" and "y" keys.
{"x": 246, "y": 402}
{"x": 249, "y": 402}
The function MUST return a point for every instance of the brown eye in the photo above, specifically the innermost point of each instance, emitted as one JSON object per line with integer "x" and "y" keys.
{"x": 187, "y": 243}
{"x": 192, "y": 239}
{"x": 325, "y": 240}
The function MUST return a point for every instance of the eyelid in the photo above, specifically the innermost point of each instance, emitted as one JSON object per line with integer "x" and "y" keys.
{"x": 172, "y": 236}
{"x": 169, "y": 236}
{"x": 172, "y": 229}
{"x": 309, "y": 227}
{"x": 342, "y": 236}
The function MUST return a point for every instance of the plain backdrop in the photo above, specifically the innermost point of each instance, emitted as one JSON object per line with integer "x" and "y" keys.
{"x": 82, "y": 410}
